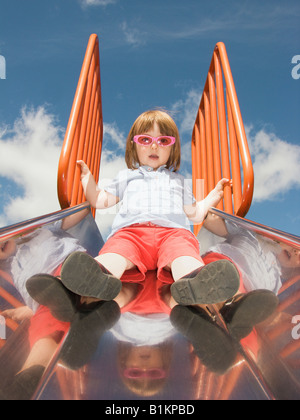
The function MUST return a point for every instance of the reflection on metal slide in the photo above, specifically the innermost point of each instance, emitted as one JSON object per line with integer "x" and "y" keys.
{"x": 108, "y": 354}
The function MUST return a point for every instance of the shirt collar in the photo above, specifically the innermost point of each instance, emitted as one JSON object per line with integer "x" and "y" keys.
{"x": 146, "y": 168}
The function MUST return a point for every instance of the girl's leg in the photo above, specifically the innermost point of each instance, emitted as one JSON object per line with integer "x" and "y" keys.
{"x": 116, "y": 264}
{"x": 182, "y": 266}
{"x": 25, "y": 383}
{"x": 168, "y": 298}
{"x": 42, "y": 351}
{"x": 127, "y": 294}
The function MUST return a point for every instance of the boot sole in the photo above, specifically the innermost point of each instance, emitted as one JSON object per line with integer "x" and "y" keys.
{"x": 48, "y": 291}
{"x": 215, "y": 283}
{"x": 83, "y": 275}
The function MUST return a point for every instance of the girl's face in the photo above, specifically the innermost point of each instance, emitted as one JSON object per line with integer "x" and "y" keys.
{"x": 289, "y": 257}
{"x": 145, "y": 357}
{"x": 154, "y": 155}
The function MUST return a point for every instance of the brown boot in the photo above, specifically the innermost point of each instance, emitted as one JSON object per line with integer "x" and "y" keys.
{"x": 213, "y": 283}
{"x": 245, "y": 311}
{"x": 82, "y": 275}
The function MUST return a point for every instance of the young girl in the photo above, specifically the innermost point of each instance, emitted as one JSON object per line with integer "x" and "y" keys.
{"x": 152, "y": 229}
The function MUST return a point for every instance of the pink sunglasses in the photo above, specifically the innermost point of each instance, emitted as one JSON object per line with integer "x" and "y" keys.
{"x": 145, "y": 140}
{"x": 136, "y": 373}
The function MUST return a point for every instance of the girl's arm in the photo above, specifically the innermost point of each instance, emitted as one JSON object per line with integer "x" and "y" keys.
{"x": 197, "y": 212}
{"x": 74, "y": 219}
{"x": 99, "y": 199}
{"x": 216, "y": 225}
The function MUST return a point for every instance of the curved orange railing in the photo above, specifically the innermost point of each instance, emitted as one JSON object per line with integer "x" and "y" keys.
{"x": 219, "y": 142}
{"x": 84, "y": 134}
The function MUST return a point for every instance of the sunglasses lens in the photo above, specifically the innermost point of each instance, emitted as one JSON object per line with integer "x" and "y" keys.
{"x": 136, "y": 373}
{"x": 145, "y": 141}
{"x": 164, "y": 141}
{"x": 156, "y": 374}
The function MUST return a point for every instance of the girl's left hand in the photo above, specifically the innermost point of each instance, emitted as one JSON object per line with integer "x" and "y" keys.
{"x": 222, "y": 184}
{"x": 217, "y": 194}
{"x": 83, "y": 167}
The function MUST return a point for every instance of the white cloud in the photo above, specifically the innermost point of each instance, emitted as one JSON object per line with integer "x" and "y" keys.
{"x": 112, "y": 136}
{"x": 276, "y": 162}
{"x": 133, "y": 36}
{"x": 87, "y": 3}
{"x": 276, "y": 165}
{"x": 187, "y": 111}
{"x": 29, "y": 154}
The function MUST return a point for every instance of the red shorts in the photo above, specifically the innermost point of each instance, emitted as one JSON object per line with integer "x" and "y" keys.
{"x": 152, "y": 247}
{"x": 149, "y": 299}
{"x": 43, "y": 323}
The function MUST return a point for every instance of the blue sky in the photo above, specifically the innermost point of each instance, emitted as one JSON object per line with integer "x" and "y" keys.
{"x": 152, "y": 54}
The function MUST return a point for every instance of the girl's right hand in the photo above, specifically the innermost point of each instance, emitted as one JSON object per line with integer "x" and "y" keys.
{"x": 18, "y": 314}
{"x": 84, "y": 168}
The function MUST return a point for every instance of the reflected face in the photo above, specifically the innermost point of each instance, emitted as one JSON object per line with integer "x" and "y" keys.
{"x": 145, "y": 357}
{"x": 7, "y": 249}
{"x": 144, "y": 365}
{"x": 289, "y": 257}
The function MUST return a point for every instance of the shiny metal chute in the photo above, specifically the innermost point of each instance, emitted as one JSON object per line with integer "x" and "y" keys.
{"x": 106, "y": 355}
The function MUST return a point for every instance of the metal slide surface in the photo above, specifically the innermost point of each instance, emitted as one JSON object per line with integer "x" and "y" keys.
{"x": 144, "y": 357}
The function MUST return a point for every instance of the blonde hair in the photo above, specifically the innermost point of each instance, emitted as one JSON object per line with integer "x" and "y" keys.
{"x": 144, "y": 123}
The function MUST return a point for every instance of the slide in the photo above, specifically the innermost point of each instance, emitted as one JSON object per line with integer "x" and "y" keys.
{"x": 107, "y": 354}
{"x": 245, "y": 348}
